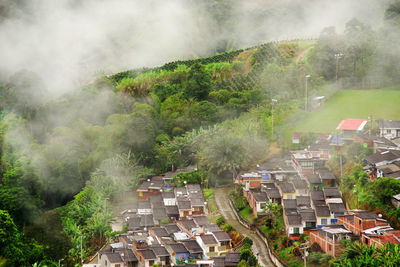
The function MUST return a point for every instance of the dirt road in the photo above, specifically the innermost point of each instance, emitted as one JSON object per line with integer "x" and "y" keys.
{"x": 259, "y": 248}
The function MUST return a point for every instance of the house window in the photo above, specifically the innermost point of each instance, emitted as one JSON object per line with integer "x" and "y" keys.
{"x": 324, "y": 221}
{"x": 151, "y": 263}
{"x": 310, "y": 224}
{"x": 117, "y": 265}
{"x": 389, "y": 131}
{"x": 211, "y": 249}
{"x": 289, "y": 196}
{"x": 106, "y": 262}
{"x": 296, "y": 230}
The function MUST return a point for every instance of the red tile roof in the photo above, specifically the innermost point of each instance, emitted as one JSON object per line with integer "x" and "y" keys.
{"x": 389, "y": 239}
{"x": 351, "y": 124}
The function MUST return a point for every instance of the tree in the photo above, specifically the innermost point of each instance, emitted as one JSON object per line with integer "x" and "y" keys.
{"x": 198, "y": 82}
{"x": 384, "y": 188}
{"x": 16, "y": 250}
{"x": 223, "y": 152}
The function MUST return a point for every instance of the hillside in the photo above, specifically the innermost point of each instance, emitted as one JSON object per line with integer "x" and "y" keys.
{"x": 354, "y": 104}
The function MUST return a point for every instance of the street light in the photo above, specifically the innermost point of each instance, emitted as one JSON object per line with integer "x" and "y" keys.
{"x": 307, "y": 76}
{"x": 273, "y": 101}
{"x": 337, "y": 56}
{"x": 59, "y": 262}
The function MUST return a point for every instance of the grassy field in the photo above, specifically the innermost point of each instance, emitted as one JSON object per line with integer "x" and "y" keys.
{"x": 353, "y": 104}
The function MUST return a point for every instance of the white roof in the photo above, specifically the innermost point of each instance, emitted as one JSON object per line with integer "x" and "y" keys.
{"x": 377, "y": 230}
{"x": 334, "y": 200}
{"x": 336, "y": 230}
{"x": 181, "y": 236}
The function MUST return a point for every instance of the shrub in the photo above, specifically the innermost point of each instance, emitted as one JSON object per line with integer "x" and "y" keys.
{"x": 247, "y": 240}
{"x": 325, "y": 258}
{"x": 245, "y": 254}
{"x": 246, "y": 246}
{"x": 227, "y": 227}
{"x": 252, "y": 260}
{"x": 315, "y": 257}
{"x": 220, "y": 220}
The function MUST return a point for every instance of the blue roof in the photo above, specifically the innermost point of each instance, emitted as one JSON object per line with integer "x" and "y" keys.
{"x": 336, "y": 140}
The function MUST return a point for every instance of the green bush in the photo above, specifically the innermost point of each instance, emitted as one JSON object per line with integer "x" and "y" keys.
{"x": 220, "y": 220}
{"x": 247, "y": 240}
{"x": 246, "y": 246}
{"x": 315, "y": 257}
{"x": 227, "y": 227}
{"x": 245, "y": 254}
{"x": 252, "y": 260}
{"x": 325, "y": 258}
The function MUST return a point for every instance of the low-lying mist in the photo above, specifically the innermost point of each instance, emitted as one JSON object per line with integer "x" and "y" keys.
{"x": 68, "y": 42}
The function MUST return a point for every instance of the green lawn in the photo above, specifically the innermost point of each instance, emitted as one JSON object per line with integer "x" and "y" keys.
{"x": 247, "y": 213}
{"x": 352, "y": 104}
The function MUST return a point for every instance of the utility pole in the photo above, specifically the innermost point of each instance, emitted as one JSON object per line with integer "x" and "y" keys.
{"x": 304, "y": 247}
{"x": 272, "y": 116}
{"x": 105, "y": 204}
{"x": 306, "y": 95}
{"x": 337, "y": 56}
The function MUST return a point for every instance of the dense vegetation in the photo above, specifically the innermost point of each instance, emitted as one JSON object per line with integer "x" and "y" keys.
{"x": 103, "y": 139}
{"x": 62, "y": 158}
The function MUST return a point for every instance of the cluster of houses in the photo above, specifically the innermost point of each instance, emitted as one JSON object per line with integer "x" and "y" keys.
{"x": 306, "y": 188}
{"x": 168, "y": 226}
{"x": 301, "y": 184}
{"x": 368, "y": 227}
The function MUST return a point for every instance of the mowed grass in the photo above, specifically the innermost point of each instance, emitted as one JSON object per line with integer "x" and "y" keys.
{"x": 353, "y": 104}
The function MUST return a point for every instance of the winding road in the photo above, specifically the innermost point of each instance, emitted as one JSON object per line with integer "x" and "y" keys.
{"x": 259, "y": 248}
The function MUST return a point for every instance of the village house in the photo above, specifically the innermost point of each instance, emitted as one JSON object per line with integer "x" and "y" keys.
{"x": 149, "y": 188}
{"x": 169, "y": 198}
{"x": 381, "y": 235}
{"x": 209, "y": 245}
{"x": 184, "y": 207}
{"x": 161, "y": 234}
{"x": 147, "y": 257}
{"x": 195, "y": 251}
{"x": 305, "y": 162}
{"x": 375, "y": 142}
{"x": 162, "y": 255}
{"x": 328, "y": 237}
{"x": 360, "y": 220}
{"x": 258, "y": 202}
{"x": 189, "y": 227}
{"x": 389, "y": 128}
{"x": 117, "y": 258}
{"x": 172, "y": 212}
{"x": 327, "y": 177}
{"x": 224, "y": 241}
{"x": 287, "y": 190}
{"x": 350, "y": 127}
{"x": 314, "y": 181}
{"x": 293, "y": 225}
{"x": 323, "y": 215}
{"x": 179, "y": 253}
{"x": 317, "y": 198}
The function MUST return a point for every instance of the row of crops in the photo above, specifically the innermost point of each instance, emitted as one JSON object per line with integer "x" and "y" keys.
{"x": 265, "y": 54}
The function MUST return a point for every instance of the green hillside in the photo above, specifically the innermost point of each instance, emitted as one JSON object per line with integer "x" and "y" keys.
{"x": 353, "y": 104}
